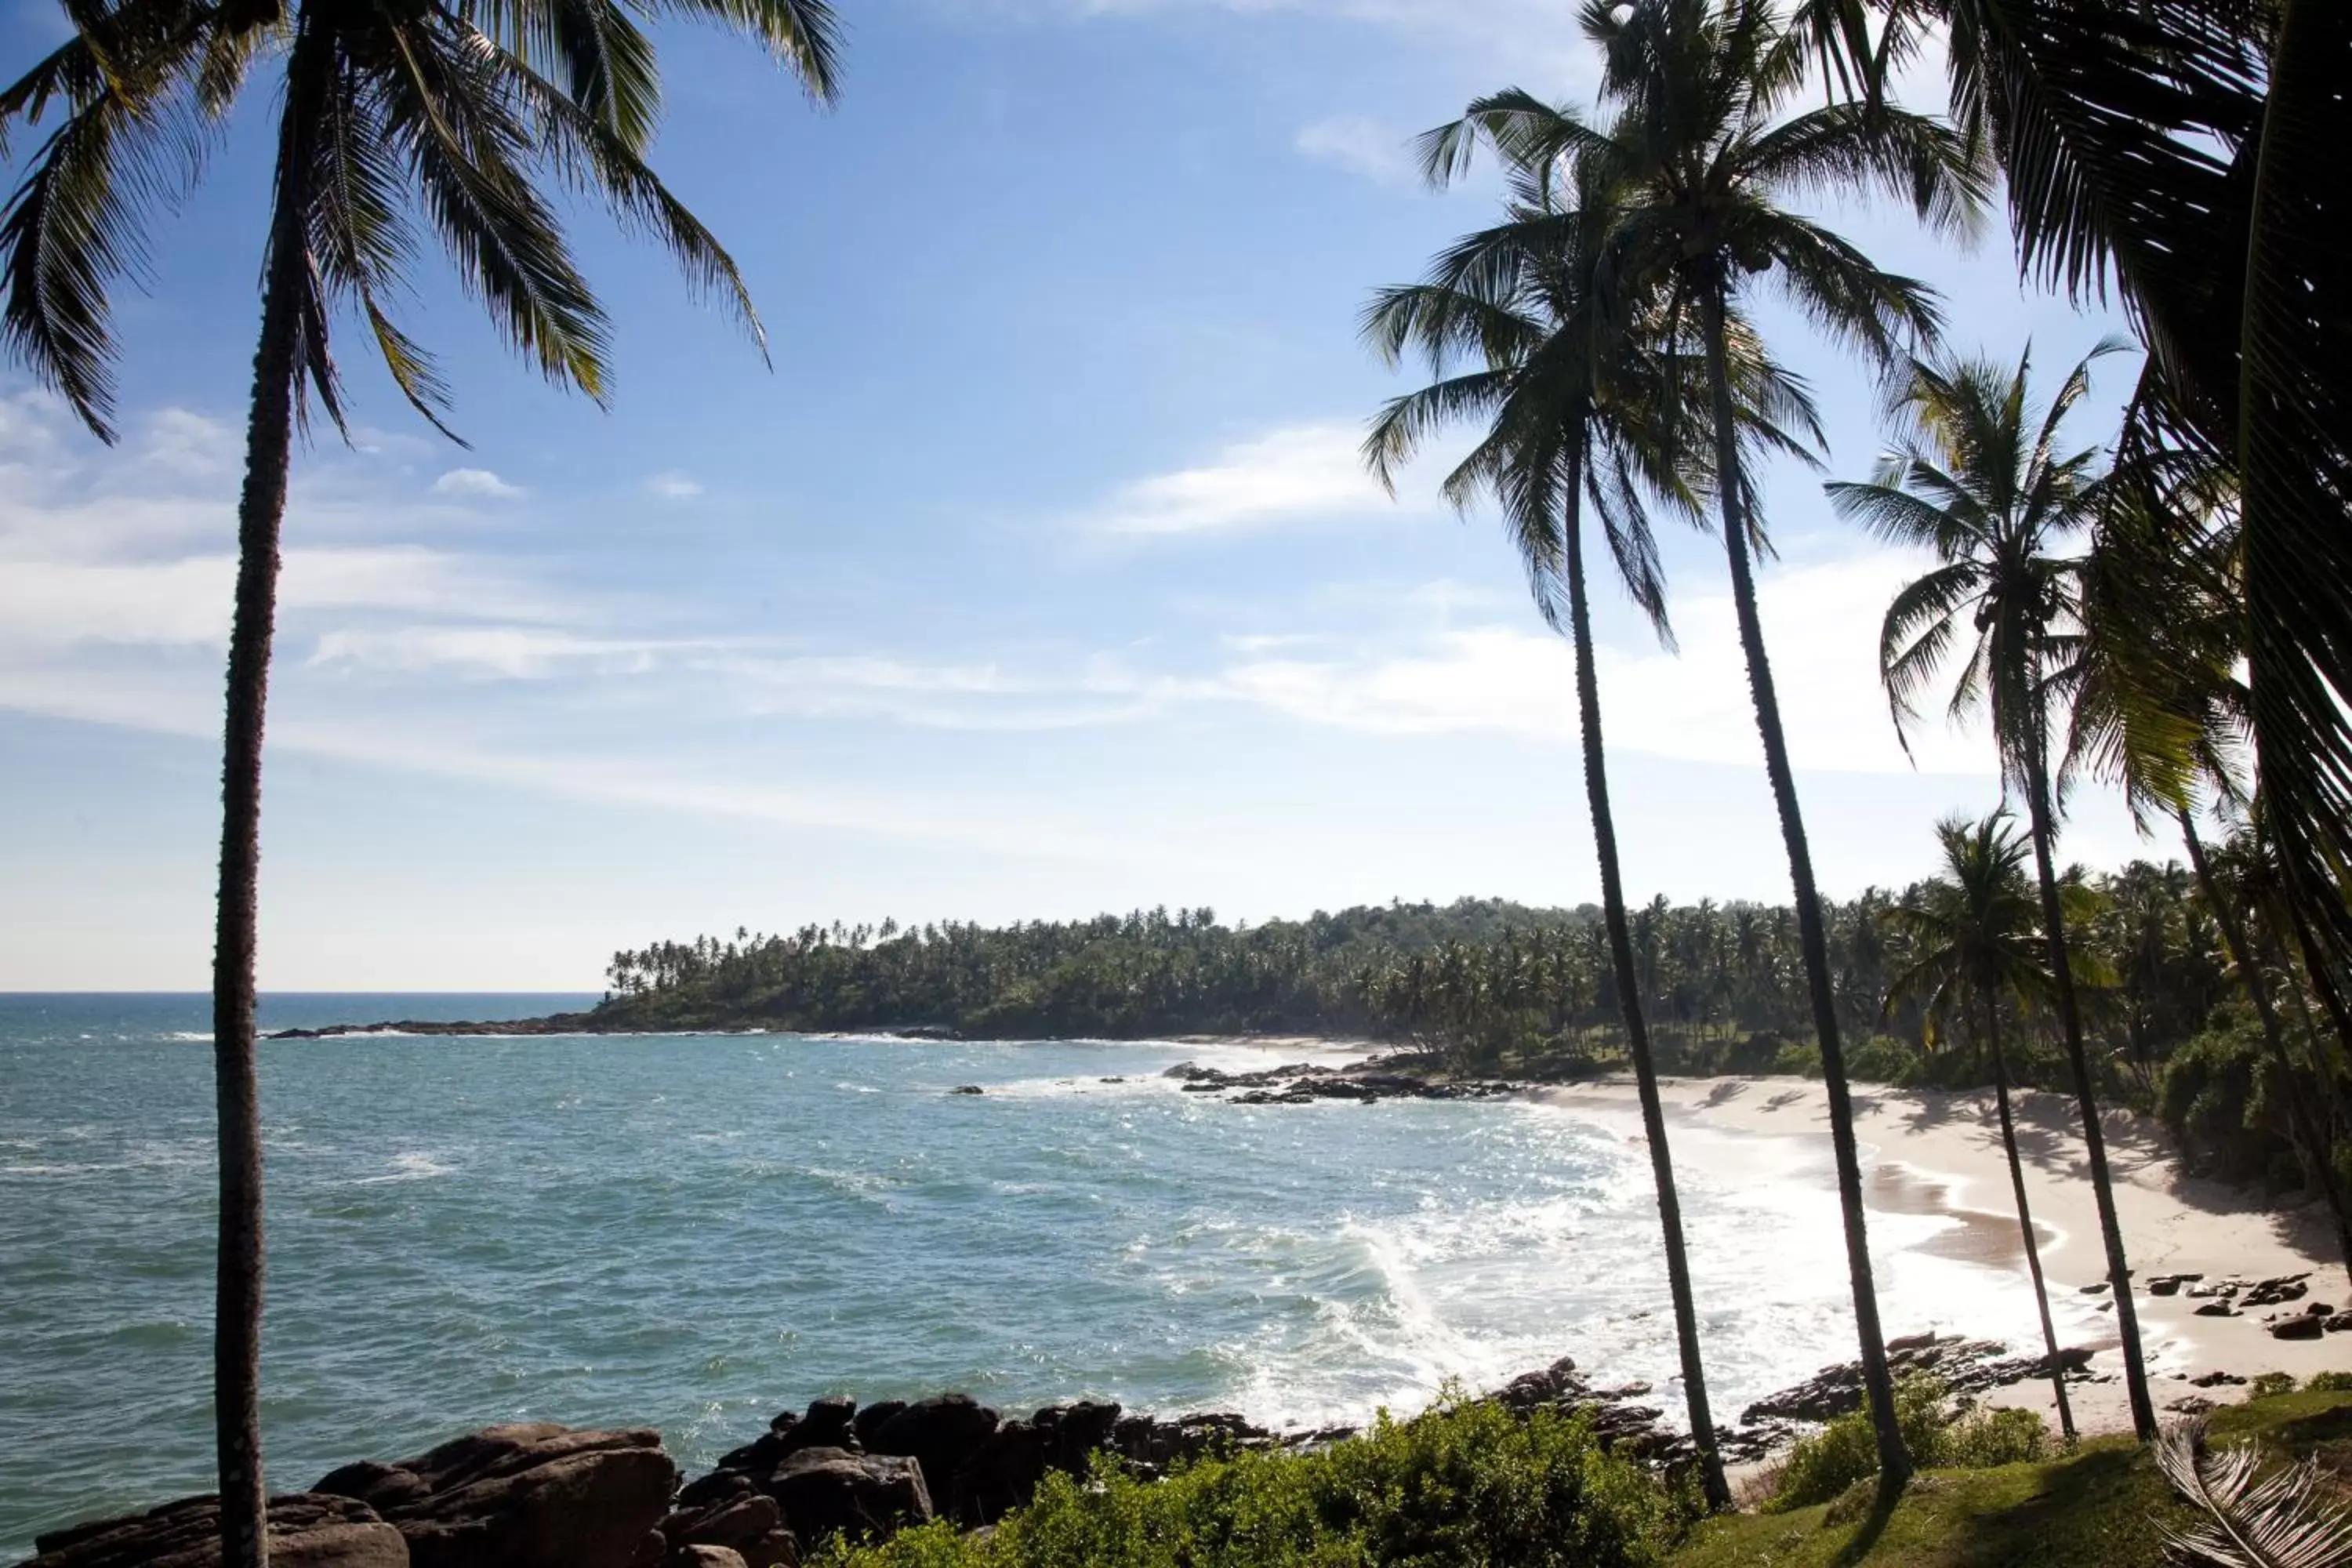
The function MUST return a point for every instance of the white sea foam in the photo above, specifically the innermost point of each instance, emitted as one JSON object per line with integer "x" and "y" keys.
{"x": 413, "y": 1166}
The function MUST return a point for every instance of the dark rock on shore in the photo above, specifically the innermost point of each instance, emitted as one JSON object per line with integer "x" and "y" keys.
{"x": 1965, "y": 1366}
{"x": 306, "y": 1530}
{"x": 825, "y": 1492}
{"x": 1304, "y": 1082}
{"x": 529, "y": 1495}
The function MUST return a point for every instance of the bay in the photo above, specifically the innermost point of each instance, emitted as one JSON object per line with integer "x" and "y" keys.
{"x": 692, "y": 1232}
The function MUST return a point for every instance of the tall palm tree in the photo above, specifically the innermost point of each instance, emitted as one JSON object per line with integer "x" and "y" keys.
{"x": 2157, "y": 708}
{"x": 1972, "y": 936}
{"x": 2186, "y": 152}
{"x": 435, "y": 118}
{"x": 1981, "y": 482}
{"x": 1707, "y": 152}
{"x": 1564, "y": 421}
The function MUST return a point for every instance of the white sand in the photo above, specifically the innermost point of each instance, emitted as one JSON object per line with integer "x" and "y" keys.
{"x": 1922, "y": 1148}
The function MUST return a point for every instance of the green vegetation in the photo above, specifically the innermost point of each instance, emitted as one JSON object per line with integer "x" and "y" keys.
{"x": 1844, "y": 1453}
{"x": 1464, "y": 1486}
{"x": 2103, "y": 1506}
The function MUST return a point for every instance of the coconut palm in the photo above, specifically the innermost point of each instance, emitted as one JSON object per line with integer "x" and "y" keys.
{"x": 1707, "y": 148}
{"x": 1565, "y": 421}
{"x": 2157, "y": 708}
{"x": 393, "y": 124}
{"x": 2186, "y": 153}
{"x": 1981, "y": 482}
{"x": 1974, "y": 945}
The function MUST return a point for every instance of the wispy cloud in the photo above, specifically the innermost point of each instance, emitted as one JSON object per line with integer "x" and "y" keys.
{"x": 1359, "y": 145}
{"x": 475, "y": 484}
{"x": 1296, "y": 474}
{"x": 673, "y": 486}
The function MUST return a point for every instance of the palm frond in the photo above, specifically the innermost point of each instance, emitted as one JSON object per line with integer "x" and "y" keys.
{"x": 2252, "y": 1520}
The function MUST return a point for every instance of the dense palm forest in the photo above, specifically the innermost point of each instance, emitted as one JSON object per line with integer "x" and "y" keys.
{"x": 1498, "y": 986}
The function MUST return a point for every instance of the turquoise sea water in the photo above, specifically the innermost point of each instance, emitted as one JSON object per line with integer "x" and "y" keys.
{"x": 693, "y": 1232}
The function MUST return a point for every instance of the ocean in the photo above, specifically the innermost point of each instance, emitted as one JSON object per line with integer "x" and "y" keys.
{"x": 694, "y": 1232}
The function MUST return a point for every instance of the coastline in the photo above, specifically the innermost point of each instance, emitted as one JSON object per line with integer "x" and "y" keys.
{"x": 1939, "y": 1153}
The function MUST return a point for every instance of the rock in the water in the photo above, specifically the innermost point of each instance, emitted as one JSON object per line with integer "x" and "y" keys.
{"x": 2304, "y": 1327}
{"x": 832, "y": 1491}
{"x": 2216, "y": 1379}
{"x": 528, "y": 1495}
{"x": 2339, "y": 1322}
{"x": 940, "y": 1434}
{"x": 967, "y": 1088}
{"x": 707, "y": 1557}
{"x": 306, "y": 1530}
{"x": 2217, "y": 1309}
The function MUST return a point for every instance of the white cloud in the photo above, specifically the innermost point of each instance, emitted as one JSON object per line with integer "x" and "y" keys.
{"x": 675, "y": 486}
{"x": 1296, "y": 474}
{"x": 1359, "y": 145}
{"x": 1820, "y": 631}
{"x": 505, "y": 653}
{"x": 476, "y": 483}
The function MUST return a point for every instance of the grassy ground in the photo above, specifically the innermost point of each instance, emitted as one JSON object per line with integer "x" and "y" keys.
{"x": 2102, "y": 1507}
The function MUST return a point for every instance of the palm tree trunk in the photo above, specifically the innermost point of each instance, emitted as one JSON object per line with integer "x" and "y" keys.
{"x": 1637, "y": 1036}
{"x": 2313, "y": 1143}
{"x": 1878, "y": 1380}
{"x": 262, "y": 510}
{"x": 2025, "y": 1214}
{"x": 2094, "y": 1143}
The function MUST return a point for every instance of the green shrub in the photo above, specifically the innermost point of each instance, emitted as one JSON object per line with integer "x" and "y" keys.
{"x": 2269, "y": 1385}
{"x": 1846, "y": 1450}
{"x": 1466, "y": 1484}
{"x": 2329, "y": 1382}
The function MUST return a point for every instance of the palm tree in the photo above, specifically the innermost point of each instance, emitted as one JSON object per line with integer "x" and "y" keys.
{"x": 2159, "y": 709}
{"x": 2185, "y": 152}
{"x": 1980, "y": 481}
{"x": 1565, "y": 420}
{"x": 1707, "y": 161}
{"x": 434, "y": 117}
{"x": 1973, "y": 937}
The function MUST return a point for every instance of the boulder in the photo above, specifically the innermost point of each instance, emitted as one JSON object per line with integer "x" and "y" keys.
{"x": 707, "y": 1557}
{"x": 2298, "y": 1328}
{"x": 2217, "y": 1309}
{"x": 2339, "y": 1322}
{"x": 306, "y": 1530}
{"x": 749, "y": 1523}
{"x": 828, "y": 1422}
{"x": 940, "y": 1434}
{"x": 832, "y": 1491}
{"x": 872, "y": 1415}
{"x": 2217, "y": 1380}
{"x": 528, "y": 1495}
{"x": 1003, "y": 1474}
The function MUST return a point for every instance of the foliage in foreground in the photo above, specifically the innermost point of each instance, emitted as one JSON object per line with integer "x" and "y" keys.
{"x": 1844, "y": 1452}
{"x": 2104, "y": 1505}
{"x": 1466, "y": 1484}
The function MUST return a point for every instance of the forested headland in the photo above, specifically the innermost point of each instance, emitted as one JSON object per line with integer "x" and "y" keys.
{"x": 1488, "y": 985}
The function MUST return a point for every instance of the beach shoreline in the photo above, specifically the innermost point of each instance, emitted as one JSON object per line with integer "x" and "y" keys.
{"x": 1940, "y": 1152}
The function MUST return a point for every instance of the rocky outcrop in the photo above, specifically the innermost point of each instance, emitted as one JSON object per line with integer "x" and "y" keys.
{"x": 741, "y": 1520}
{"x": 306, "y": 1530}
{"x": 825, "y": 1492}
{"x": 1963, "y": 1366}
{"x": 529, "y": 1495}
{"x": 941, "y": 1434}
{"x": 1305, "y": 1082}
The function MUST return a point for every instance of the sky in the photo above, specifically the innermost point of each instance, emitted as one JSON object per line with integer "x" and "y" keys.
{"x": 1039, "y": 575}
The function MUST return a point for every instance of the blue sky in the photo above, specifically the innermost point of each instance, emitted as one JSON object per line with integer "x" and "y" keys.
{"x": 1037, "y": 578}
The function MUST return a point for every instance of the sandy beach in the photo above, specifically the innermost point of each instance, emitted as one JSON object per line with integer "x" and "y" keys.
{"x": 1940, "y": 1152}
